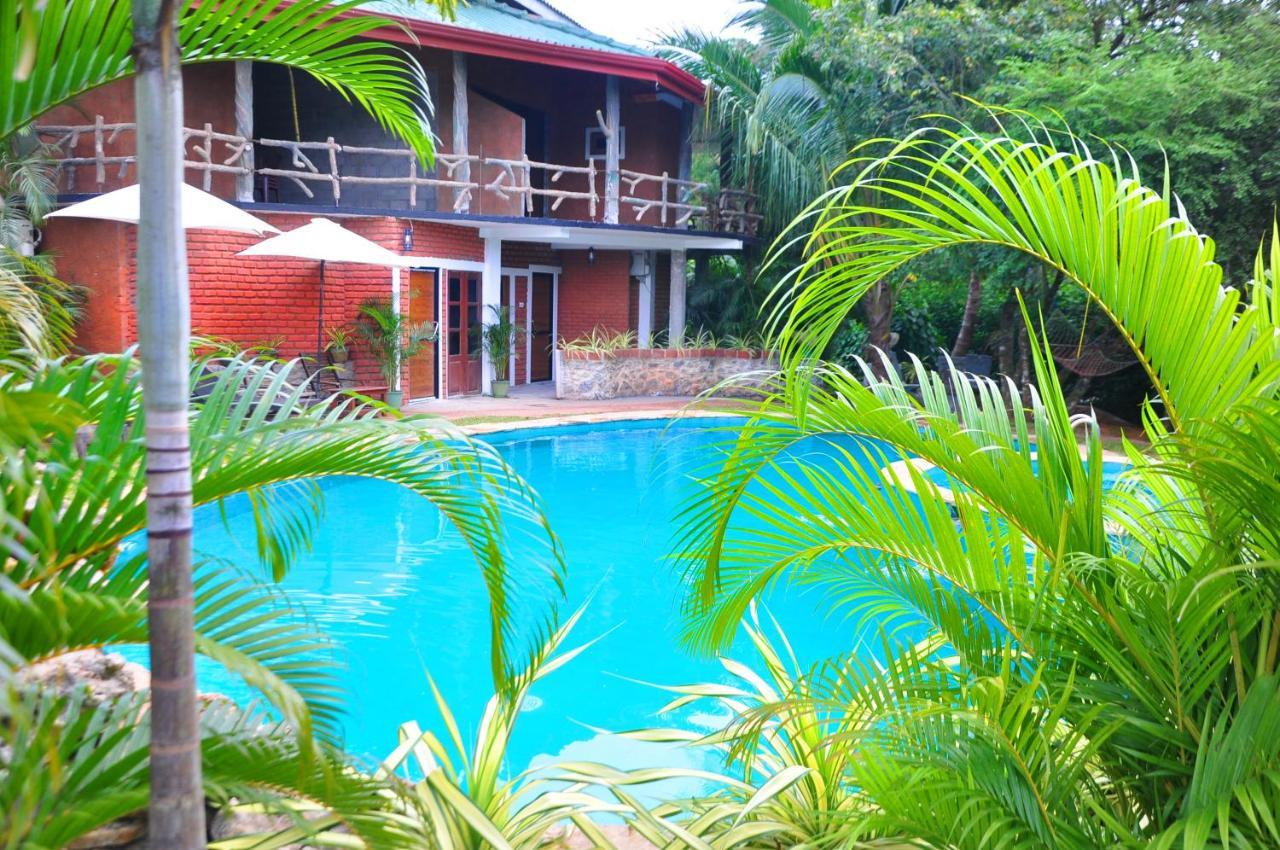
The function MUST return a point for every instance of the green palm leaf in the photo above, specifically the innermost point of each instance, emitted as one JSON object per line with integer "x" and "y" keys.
{"x": 85, "y": 45}
{"x": 1089, "y": 217}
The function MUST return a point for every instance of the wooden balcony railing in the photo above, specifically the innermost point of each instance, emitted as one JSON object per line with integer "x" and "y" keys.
{"x": 315, "y": 169}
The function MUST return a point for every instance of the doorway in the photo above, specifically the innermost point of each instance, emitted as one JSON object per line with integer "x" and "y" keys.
{"x": 424, "y": 295}
{"x": 463, "y": 333}
{"x": 542, "y": 325}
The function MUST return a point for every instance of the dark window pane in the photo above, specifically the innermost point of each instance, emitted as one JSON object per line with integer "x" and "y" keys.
{"x": 473, "y": 315}
{"x": 473, "y": 289}
{"x": 455, "y": 343}
{"x": 455, "y": 288}
{"x": 455, "y": 316}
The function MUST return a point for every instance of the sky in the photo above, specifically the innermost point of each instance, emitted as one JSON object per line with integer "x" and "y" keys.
{"x": 638, "y": 21}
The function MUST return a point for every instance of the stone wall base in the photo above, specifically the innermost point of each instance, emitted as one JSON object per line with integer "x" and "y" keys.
{"x": 660, "y": 372}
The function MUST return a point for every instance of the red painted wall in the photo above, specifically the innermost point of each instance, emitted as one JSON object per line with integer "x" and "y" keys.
{"x": 568, "y": 99}
{"x": 208, "y": 92}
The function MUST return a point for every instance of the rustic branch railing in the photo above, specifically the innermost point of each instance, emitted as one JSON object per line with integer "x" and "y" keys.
{"x": 678, "y": 203}
{"x": 734, "y": 212}
{"x": 675, "y": 201}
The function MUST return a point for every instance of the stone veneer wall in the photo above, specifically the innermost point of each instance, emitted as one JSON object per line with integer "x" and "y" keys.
{"x": 658, "y": 371}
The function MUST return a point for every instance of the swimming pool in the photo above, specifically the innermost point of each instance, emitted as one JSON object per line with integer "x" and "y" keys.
{"x": 393, "y": 586}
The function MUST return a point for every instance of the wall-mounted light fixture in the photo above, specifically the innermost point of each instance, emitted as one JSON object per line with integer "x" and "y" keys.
{"x": 591, "y": 256}
{"x": 408, "y": 238}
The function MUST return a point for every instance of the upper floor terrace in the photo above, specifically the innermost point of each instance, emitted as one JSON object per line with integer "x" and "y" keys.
{"x": 534, "y": 118}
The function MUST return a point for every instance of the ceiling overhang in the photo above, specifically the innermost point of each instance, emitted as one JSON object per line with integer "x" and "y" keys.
{"x": 601, "y": 237}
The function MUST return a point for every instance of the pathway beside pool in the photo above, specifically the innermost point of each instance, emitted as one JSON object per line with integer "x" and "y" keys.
{"x": 537, "y": 405}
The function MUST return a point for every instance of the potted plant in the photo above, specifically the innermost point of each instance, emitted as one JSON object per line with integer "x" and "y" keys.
{"x": 499, "y": 339}
{"x": 391, "y": 338}
{"x": 339, "y": 345}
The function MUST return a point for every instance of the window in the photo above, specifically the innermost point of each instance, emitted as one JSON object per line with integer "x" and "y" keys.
{"x": 596, "y": 143}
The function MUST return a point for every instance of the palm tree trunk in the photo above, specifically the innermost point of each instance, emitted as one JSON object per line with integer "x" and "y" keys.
{"x": 877, "y": 310}
{"x": 964, "y": 338}
{"x": 164, "y": 330}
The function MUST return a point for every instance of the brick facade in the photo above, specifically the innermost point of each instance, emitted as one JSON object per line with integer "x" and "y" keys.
{"x": 258, "y": 300}
{"x": 594, "y": 295}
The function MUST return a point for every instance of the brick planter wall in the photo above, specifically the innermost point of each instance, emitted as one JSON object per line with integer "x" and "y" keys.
{"x": 659, "y": 371}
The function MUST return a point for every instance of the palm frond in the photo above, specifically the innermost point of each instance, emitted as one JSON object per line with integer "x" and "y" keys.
{"x": 85, "y": 45}
{"x": 1129, "y": 247}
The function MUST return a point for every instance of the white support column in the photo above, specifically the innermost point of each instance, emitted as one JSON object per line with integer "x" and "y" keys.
{"x": 395, "y": 308}
{"x": 612, "y": 143}
{"x": 244, "y": 128}
{"x": 679, "y": 286}
{"x": 644, "y": 319}
{"x": 490, "y": 296}
{"x": 512, "y": 308}
{"x": 461, "y": 129}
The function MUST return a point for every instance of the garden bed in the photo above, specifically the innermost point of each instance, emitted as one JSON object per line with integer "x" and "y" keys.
{"x": 635, "y": 372}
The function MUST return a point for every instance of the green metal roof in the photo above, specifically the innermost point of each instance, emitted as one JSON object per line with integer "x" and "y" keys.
{"x": 497, "y": 18}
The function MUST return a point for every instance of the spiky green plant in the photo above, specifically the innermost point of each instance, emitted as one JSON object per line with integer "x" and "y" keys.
{"x": 783, "y": 783}
{"x": 74, "y": 474}
{"x": 1066, "y": 663}
{"x": 464, "y": 793}
{"x": 600, "y": 340}
{"x": 391, "y": 337}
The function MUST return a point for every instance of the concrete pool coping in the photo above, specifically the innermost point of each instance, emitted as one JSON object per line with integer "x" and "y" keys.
{"x": 896, "y": 472}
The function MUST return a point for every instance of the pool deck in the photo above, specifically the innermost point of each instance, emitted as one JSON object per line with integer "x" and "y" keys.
{"x": 537, "y": 406}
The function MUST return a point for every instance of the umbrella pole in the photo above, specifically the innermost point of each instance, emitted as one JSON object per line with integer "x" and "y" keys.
{"x": 320, "y": 323}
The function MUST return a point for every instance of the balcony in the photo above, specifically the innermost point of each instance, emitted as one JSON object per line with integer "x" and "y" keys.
{"x": 99, "y": 156}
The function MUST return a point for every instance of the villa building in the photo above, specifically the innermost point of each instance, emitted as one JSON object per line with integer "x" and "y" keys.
{"x": 561, "y": 188}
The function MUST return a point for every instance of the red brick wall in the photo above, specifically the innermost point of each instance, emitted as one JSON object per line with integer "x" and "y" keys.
{"x": 269, "y": 299}
{"x": 95, "y": 255}
{"x": 521, "y": 255}
{"x": 245, "y": 299}
{"x": 444, "y": 240}
{"x": 594, "y": 295}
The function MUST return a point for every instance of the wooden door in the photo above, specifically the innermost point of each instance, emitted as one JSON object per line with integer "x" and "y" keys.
{"x": 463, "y": 333}
{"x": 423, "y": 297}
{"x": 542, "y": 331}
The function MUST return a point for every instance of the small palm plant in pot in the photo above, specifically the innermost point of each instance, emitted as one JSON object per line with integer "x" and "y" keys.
{"x": 339, "y": 344}
{"x": 499, "y": 339}
{"x": 391, "y": 338}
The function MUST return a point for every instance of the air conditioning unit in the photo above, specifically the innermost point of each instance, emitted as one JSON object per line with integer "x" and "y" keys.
{"x": 639, "y": 263}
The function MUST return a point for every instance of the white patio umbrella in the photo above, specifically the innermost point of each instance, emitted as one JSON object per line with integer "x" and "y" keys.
{"x": 327, "y": 242}
{"x": 200, "y": 210}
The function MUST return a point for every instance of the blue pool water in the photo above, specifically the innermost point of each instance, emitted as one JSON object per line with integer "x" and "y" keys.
{"x": 393, "y": 586}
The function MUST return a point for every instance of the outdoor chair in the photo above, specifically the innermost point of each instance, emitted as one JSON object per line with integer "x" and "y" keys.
{"x": 327, "y": 382}
{"x": 207, "y": 378}
{"x": 969, "y": 366}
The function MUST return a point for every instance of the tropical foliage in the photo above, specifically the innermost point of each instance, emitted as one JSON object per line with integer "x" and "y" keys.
{"x": 464, "y": 795}
{"x": 85, "y": 45}
{"x": 1191, "y": 87}
{"x": 391, "y": 337}
{"x": 73, "y": 499}
{"x": 1067, "y": 661}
